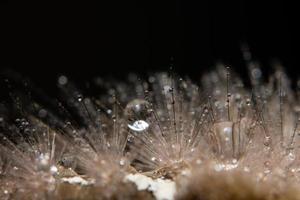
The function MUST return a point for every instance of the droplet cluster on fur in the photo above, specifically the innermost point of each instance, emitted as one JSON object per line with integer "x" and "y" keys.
{"x": 213, "y": 140}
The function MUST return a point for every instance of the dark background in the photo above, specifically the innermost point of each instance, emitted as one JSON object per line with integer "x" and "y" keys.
{"x": 111, "y": 38}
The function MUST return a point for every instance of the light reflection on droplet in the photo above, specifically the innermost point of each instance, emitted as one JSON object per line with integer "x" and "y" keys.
{"x": 139, "y": 126}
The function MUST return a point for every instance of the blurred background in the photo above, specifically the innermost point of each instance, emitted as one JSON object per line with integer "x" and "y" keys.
{"x": 44, "y": 40}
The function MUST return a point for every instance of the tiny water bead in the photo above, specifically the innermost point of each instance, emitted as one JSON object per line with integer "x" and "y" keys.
{"x": 122, "y": 161}
{"x": 62, "y": 80}
{"x": 79, "y": 97}
{"x": 42, "y": 113}
{"x": 267, "y": 141}
{"x": 256, "y": 73}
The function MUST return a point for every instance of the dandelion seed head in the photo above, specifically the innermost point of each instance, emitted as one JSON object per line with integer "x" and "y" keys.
{"x": 164, "y": 130}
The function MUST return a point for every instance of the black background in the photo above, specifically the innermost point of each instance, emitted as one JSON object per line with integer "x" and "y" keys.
{"x": 111, "y": 38}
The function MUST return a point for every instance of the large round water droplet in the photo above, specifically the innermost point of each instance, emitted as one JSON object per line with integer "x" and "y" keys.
{"x": 137, "y": 109}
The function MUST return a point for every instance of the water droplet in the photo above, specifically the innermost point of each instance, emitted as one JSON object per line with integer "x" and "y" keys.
{"x": 291, "y": 156}
{"x": 130, "y": 138}
{"x": 267, "y": 141}
{"x": 151, "y": 79}
{"x": 246, "y": 169}
{"x": 219, "y": 167}
{"x": 198, "y": 161}
{"x": 238, "y": 97}
{"x": 62, "y": 80}
{"x": 114, "y": 118}
{"x": 53, "y": 170}
{"x": 217, "y": 92}
{"x": 122, "y": 161}
{"x": 267, "y": 164}
{"x": 248, "y": 102}
{"x": 43, "y": 160}
{"x": 227, "y": 131}
{"x": 137, "y": 109}
{"x": 185, "y": 172}
{"x": 224, "y": 131}
{"x": 79, "y": 97}
{"x": 256, "y": 73}
{"x": 206, "y": 110}
{"x": 137, "y": 112}
{"x": 108, "y": 144}
{"x": 42, "y": 113}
